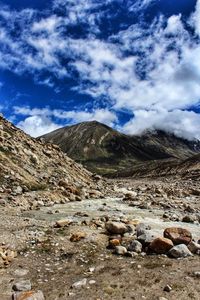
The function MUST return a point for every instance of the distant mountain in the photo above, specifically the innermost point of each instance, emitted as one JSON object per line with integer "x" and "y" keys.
{"x": 104, "y": 150}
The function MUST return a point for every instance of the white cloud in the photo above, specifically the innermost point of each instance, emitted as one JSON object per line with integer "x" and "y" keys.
{"x": 185, "y": 124}
{"x": 37, "y": 125}
{"x": 195, "y": 18}
{"x": 174, "y": 25}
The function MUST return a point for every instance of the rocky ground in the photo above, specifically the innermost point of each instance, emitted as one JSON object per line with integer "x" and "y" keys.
{"x": 103, "y": 248}
{"x": 66, "y": 233}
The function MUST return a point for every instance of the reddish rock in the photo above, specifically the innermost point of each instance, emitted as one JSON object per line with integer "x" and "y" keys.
{"x": 178, "y": 235}
{"x": 161, "y": 245}
{"x": 31, "y": 295}
{"x": 113, "y": 243}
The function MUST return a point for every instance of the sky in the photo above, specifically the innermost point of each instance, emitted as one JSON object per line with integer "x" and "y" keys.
{"x": 133, "y": 65}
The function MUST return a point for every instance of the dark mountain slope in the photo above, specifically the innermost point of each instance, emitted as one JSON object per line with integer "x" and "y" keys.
{"x": 104, "y": 150}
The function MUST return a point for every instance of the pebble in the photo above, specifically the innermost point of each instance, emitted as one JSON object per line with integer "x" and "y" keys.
{"x": 79, "y": 284}
{"x": 167, "y": 288}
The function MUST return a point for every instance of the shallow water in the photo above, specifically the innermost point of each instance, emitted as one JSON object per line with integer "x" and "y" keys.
{"x": 113, "y": 207}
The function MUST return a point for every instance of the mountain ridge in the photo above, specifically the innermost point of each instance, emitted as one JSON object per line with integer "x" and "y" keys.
{"x": 103, "y": 149}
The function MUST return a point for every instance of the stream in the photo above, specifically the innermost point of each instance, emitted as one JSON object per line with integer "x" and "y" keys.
{"x": 112, "y": 207}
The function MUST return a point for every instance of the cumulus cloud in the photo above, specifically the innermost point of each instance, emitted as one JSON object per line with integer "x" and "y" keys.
{"x": 37, "y": 125}
{"x": 184, "y": 124}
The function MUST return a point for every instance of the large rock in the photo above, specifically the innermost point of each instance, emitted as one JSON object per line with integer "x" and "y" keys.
{"x": 178, "y": 235}
{"x": 161, "y": 245}
{"x": 63, "y": 223}
{"x": 116, "y": 227}
{"x": 193, "y": 247}
{"x": 135, "y": 246}
{"x": 31, "y": 295}
{"x": 189, "y": 219}
{"x": 179, "y": 251}
{"x": 147, "y": 237}
{"x": 120, "y": 250}
{"x": 141, "y": 228}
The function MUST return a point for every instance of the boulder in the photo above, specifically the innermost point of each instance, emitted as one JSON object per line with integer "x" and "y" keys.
{"x": 135, "y": 246}
{"x": 116, "y": 227}
{"x": 179, "y": 251}
{"x": 189, "y": 219}
{"x": 120, "y": 250}
{"x": 142, "y": 228}
{"x": 147, "y": 237}
{"x": 193, "y": 247}
{"x": 161, "y": 245}
{"x": 178, "y": 235}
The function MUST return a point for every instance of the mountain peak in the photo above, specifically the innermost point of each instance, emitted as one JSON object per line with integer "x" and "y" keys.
{"x": 102, "y": 149}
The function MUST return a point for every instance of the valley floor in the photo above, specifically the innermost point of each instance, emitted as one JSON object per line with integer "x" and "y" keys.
{"x": 73, "y": 262}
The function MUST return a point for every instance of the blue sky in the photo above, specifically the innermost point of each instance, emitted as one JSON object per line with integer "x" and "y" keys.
{"x": 134, "y": 65}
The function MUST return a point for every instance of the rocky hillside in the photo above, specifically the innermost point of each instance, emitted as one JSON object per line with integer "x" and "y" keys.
{"x": 40, "y": 173}
{"x": 105, "y": 151}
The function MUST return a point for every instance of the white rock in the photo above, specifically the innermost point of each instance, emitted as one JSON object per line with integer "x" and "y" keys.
{"x": 79, "y": 284}
{"x": 180, "y": 251}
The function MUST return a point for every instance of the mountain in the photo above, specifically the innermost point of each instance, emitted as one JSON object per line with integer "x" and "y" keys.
{"x": 104, "y": 150}
{"x": 175, "y": 168}
{"x": 36, "y": 171}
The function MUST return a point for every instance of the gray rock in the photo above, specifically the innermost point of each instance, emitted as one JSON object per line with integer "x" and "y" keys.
{"x": 116, "y": 227}
{"x": 189, "y": 219}
{"x": 135, "y": 246}
{"x": 79, "y": 284}
{"x": 18, "y": 190}
{"x": 120, "y": 250}
{"x": 142, "y": 228}
{"x": 23, "y": 285}
{"x": 180, "y": 251}
{"x": 147, "y": 237}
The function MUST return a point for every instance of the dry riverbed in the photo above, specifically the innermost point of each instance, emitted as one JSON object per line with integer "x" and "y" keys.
{"x": 71, "y": 259}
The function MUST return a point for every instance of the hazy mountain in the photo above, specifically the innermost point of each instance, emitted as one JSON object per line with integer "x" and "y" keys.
{"x": 104, "y": 150}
